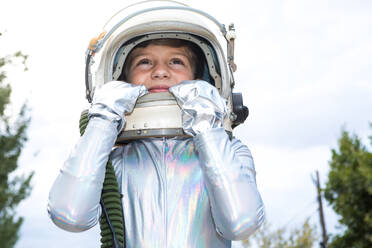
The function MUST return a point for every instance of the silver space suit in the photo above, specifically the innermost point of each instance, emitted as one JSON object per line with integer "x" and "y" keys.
{"x": 189, "y": 191}
{"x": 177, "y": 192}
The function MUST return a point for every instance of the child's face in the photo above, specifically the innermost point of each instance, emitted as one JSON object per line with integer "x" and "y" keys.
{"x": 159, "y": 67}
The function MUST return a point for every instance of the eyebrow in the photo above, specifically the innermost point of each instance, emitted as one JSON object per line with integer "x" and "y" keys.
{"x": 134, "y": 56}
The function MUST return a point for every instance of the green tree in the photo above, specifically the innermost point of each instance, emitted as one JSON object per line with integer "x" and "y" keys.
{"x": 303, "y": 237}
{"x": 349, "y": 192}
{"x": 13, "y": 188}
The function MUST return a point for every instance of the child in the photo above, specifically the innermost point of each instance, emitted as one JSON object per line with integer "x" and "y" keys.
{"x": 196, "y": 191}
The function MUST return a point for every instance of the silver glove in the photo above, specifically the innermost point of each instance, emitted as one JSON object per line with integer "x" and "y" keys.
{"x": 202, "y": 106}
{"x": 114, "y": 99}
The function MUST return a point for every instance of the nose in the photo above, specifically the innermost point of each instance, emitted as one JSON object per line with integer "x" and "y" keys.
{"x": 160, "y": 71}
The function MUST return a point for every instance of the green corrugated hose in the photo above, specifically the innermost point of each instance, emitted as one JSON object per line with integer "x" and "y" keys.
{"x": 111, "y": 220}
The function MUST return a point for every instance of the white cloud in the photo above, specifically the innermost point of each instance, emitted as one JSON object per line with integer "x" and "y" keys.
{"x": 307, "y": 76}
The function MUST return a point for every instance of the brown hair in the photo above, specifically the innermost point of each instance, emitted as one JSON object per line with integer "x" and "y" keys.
{"x": 195, "y": 55}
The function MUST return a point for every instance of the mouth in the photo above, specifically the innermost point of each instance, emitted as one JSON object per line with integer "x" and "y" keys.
{"x": 158, "y": 89}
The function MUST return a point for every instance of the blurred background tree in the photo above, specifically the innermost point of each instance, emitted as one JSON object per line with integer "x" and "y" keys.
{"x": 302, "y": 237}
{"x": 13, "y": 188}
{"x": 349, "y": 192}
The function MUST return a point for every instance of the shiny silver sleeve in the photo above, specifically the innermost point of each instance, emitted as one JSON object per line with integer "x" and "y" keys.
{"x": 74, "y": 197}
{"x": 230, "y": 176}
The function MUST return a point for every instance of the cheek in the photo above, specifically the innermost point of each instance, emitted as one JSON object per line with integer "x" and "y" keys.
{"x": 136, "y": 78}
{"x": 187, "y": 75}
{"x": 191, "y": 73}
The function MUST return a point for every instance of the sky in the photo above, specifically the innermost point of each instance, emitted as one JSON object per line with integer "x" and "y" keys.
{"x": 303, "y": 69}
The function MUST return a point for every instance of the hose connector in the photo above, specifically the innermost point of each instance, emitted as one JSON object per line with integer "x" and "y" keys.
{"x": 93, "y": 44}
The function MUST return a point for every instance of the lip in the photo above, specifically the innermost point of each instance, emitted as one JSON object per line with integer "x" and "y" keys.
{"x": 159, "y": 89}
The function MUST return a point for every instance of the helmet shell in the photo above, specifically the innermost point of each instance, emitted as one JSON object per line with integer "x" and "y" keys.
{"x": 155, "y": 20}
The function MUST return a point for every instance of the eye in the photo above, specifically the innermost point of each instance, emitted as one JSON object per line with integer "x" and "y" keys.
{"x": 144, "y": 61}
{"x": 177, "y": 61}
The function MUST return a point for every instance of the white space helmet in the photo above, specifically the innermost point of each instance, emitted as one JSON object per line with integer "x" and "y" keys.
{"x": 158, "y": 114}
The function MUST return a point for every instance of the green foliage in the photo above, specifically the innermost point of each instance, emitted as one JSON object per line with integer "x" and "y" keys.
{"x": 303, "y": 237}
{"x": 13, "y": 189}
{"x": 349, "y": 192}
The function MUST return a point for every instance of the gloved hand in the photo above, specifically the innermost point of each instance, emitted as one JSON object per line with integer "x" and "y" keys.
{"x": 114, "y": 99}
{"x": 202, "y": 106}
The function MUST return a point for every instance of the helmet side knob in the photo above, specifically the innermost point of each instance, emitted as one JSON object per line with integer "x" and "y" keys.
{"x": 241, "y": 112}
